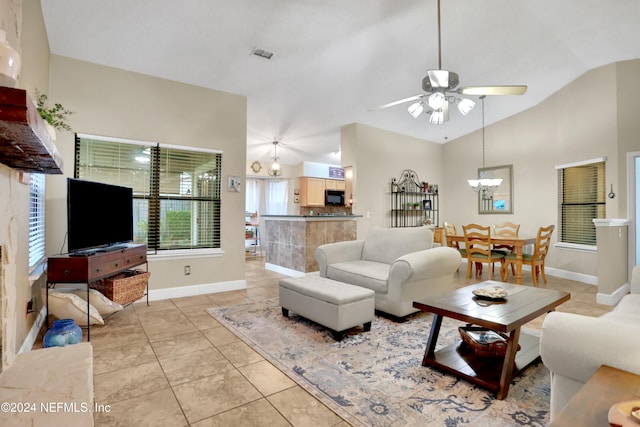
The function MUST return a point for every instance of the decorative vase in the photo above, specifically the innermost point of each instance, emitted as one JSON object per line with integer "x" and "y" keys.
{"x": 63, "y": 332}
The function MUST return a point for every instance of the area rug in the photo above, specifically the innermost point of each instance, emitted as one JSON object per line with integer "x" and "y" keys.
{"x": 376, "y": 379}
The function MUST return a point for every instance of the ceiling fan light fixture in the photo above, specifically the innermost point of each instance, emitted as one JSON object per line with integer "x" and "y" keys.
{"x": 436, "y": 100}
{"x": 465, "y": 106}
{"x": 416, "y": 109}
{"x": 437, "y": 117}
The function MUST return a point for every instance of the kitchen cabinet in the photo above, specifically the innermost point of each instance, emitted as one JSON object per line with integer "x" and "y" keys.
{"x": 312, "y": 192}
{"x": 334, "y": 184}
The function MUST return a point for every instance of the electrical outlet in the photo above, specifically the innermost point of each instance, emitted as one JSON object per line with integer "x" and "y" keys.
{"x": 187, "y": 270}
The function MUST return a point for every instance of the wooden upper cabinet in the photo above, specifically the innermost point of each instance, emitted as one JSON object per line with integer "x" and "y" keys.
{"x": 334, "y": 184}
{"x": 312, "y": 191}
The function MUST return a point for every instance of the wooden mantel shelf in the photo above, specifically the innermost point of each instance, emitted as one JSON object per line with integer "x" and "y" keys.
{"x": 25, "y": 143}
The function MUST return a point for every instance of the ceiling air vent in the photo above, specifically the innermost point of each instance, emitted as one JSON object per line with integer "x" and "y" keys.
{"x": 262, "y": 53}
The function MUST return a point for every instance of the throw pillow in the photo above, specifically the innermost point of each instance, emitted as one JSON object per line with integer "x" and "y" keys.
{"x": 66, "y": 305}
{"x": 103, "y": 304}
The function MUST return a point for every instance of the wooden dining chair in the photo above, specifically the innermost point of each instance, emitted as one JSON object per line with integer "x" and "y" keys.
{"x": 536, "y": 261}
{"x": 506, "y": 229}
{"x": 477, "y": 242}
{"x": 450, "y": 230}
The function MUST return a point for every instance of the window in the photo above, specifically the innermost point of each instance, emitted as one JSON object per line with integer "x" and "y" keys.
{"x": 36, "y": 219}
{"x": 176, "y": 190}
{"x": 581, "y": 198}
{"x": 277, "y": 197}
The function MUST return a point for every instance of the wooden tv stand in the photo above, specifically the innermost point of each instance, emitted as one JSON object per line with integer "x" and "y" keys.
{"x": 91, "y": 267}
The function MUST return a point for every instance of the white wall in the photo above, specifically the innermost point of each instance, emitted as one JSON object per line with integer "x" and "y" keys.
{"x": 118, "y": 103}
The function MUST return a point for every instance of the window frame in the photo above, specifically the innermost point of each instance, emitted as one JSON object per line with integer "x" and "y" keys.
{"x": 37, "y": 221}
{"x": 599, "y": 200}
{"x": 153, "y": 194}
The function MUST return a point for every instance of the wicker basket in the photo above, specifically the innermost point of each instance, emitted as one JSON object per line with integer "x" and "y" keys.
{"x": 123, "y": 288}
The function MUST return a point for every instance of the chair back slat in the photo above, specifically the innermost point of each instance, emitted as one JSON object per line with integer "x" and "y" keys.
{"x": 543, "y": 242}
{"x": 477, "y": 240}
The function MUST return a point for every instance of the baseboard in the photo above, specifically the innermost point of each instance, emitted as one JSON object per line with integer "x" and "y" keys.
{"x": 612, "y": 298}
{"x": 189, "y": 291}
{"x": 555, "y": 272}
{"x": 282, "y": 270}
{"x": 32, "y": 336}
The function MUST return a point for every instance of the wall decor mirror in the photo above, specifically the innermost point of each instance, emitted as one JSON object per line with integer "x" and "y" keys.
{"x": 500, "y": 199}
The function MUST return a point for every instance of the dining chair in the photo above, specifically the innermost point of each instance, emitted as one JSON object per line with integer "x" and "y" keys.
{"x": 506, "y": 229}
{"x": 536, "y": 260}
{"x": 450, "y": 230}
{"x": 477, "y": 242}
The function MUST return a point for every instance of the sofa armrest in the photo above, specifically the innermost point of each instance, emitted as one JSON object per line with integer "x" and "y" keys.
{"x": 575, "y": 346}
{"x": 425, "y": 264}
{"x": 331, "y": 253}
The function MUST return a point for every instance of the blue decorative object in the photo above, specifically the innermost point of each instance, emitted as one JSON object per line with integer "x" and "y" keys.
{"x": 63, "y": 332}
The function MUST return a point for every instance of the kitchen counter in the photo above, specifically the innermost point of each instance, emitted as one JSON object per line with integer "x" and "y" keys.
{"x": 291, "y": 240}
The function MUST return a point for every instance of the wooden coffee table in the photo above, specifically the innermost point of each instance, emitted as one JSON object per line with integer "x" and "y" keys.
{"x": 522, "y": 304}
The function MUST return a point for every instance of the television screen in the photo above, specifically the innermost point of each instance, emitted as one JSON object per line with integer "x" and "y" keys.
{"x": 98, "y": 215}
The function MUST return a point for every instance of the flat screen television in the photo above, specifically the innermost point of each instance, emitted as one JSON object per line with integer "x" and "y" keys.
{"x": 99, "y": 216}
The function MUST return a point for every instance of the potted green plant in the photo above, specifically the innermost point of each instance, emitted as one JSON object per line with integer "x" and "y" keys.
{"x": 55, "y": 116}
{"x": 409, "y": 206}
{"x": 416, "y": 206}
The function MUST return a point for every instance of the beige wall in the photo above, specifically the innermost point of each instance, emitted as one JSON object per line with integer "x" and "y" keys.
{"x": 377, "y": 156}
{"x": 122, "y": 104}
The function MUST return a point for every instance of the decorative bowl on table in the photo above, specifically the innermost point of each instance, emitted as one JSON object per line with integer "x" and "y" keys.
{"x": 625, "y": 414}
{"x": 490, "y": 292}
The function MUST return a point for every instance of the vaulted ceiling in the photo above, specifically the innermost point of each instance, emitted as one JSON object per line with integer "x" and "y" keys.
{"x": 335, "y": 59}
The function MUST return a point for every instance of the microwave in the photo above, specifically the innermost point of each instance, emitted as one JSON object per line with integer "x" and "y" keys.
{"x": 334, "y": 198}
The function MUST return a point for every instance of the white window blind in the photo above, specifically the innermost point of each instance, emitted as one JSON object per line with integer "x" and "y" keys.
{"x": 581, "y": 198}
{"x": 176, "y": 190}
{"x": 36, "y": 219}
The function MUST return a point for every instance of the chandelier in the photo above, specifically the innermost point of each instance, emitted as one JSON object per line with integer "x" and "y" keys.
{"x": 275, "y": 169}
{"x": 485, "y": 186}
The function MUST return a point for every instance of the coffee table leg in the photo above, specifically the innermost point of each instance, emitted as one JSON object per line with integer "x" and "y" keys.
{"x": 509, "y": 364}
{"x": 429, "y": 352}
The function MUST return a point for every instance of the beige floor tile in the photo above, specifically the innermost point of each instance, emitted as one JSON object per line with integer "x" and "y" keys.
{"x": 220, "y": 336}
{"x": 240, "y": 354}
{"x": 192, "y": 300}
{"x": 162, "y": 305}
{"x": 180, "y": 344}
{"x": 255, "y": 414}
{"x": 112, "y": 358}
{"x": 302, "y": 409}
{"x": 203, "y": 321}
{"x": 266, "y": 378}
{"x": 159, "y": 408}
{"x": 212, "y": 395}
{"x": 165, "y": 324}
{"x": 114, "y": 336}
{"x": 228, "y": 298}
{"x": 123, "y": 384}
{"x": 195, "y": 365}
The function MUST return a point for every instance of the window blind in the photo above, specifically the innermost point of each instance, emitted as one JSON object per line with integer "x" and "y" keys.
{"x": 176, "y": 189}
{"x": 581, "y": 196}
{"x": 36, "y": 219}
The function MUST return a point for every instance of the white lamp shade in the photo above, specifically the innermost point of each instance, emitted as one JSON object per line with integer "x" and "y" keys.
{"x": 465, "y": 106}
{"x": 436, "y": 100}
{"x": 275, "y": 166}
{"x": 416, "y": 109}
{"x": 437, "y": 118}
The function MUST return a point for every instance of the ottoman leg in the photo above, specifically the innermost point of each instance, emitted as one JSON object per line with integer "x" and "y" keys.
{"x": 338, "y": 335}
{"x": 367, "y": 326}
{"x": 285, "y": 312}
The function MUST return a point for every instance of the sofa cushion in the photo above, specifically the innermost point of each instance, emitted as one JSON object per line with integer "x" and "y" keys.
{"x": 623, "y": 317}
{"x": 385, "y": 245}
{"x": 630, "y": 303}
{"x": 367, "y": 274}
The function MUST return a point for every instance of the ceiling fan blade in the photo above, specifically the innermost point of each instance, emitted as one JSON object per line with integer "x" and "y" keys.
{"x": 398, "y": 102}
{"x": 493, "y": 90}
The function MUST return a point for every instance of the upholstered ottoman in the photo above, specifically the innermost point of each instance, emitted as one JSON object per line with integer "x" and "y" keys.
{"x": 336, "y": 305}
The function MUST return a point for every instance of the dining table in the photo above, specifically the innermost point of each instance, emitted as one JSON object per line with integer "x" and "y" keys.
{"x": 518, "y": 243}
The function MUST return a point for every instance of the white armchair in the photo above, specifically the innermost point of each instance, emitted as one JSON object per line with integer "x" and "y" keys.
{"x": 573, "y": 347}
{"x": 399, "y": 264}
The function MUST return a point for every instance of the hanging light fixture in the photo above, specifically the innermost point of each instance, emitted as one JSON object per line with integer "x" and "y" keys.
{"x": 275, "y": 169}
{"x": 485, "y": 185}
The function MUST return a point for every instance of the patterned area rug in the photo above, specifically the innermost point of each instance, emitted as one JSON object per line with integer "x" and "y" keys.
{"x": 376, "y": 378}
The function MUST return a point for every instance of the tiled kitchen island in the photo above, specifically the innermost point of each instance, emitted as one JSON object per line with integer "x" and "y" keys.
{"x": 291, "y": 240}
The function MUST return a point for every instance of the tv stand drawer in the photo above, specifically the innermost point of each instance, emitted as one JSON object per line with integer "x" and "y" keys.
{"x": 83, "y": 269}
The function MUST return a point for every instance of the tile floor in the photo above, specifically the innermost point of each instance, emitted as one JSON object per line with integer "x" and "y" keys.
{"x": 172, "y": 364}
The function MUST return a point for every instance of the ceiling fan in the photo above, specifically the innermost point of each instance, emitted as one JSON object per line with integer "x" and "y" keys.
{"x": 441, "y": 90}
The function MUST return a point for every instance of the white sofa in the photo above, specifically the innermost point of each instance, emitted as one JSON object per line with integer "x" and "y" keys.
{"x": 400, "y": 264}
{"x": 573, "y": 347}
